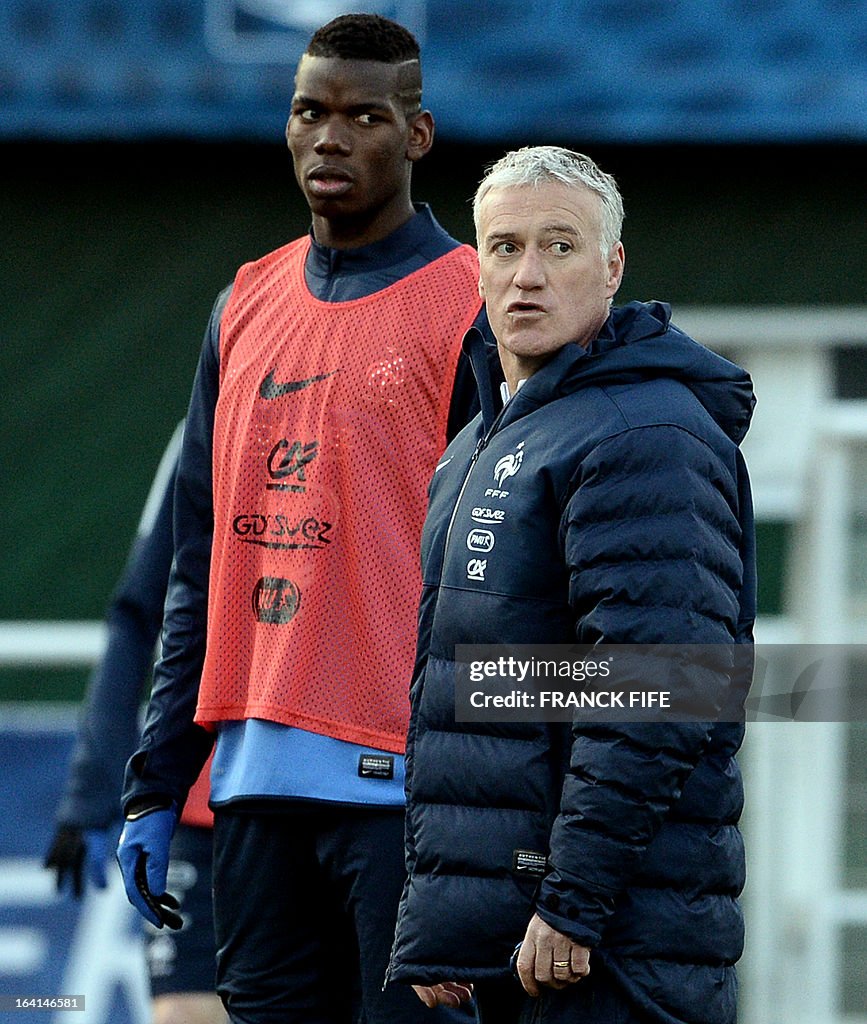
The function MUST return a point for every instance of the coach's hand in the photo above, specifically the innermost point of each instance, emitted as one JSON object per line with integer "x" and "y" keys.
{"x": 446, "y": 993}
{"x": 143, "y": 855}
{"x": 75, "y": 849}
{"x": 550, "y": 958}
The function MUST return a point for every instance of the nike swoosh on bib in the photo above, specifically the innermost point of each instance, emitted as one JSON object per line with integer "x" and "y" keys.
{"x": 269, "y": 388}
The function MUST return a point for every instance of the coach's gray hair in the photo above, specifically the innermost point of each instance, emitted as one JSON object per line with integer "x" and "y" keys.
{"x": 536, "y": 165}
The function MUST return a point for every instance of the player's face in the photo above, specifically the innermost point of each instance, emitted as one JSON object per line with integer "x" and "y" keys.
{"x": 353, "y": 146}
{"x": 543, "y": 277}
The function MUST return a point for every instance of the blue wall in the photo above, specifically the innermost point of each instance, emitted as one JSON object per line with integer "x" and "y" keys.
{"x": 53, "y": 945}
{"x": 602, "y": 70}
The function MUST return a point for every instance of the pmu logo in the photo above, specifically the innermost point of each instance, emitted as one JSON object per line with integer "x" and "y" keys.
{"x": 505, "y": 467}
{"x": 480, "y": 540}
{"x": 476, "y": 568}
{"x": 289, "y": 459}
{"x": 275, "y": 600}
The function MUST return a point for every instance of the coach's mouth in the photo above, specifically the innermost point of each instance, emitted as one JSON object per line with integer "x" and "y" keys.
{"x": 525, "y": 309}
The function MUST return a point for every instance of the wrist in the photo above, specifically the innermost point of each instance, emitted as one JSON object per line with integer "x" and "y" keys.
{"x": 140, "y": 807}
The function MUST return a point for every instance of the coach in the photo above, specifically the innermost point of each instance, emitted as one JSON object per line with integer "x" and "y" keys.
{"x": 619, "y": 506}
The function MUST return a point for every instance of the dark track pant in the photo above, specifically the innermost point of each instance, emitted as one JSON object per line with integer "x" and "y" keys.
{"x": 593, "y": 1000}
{"x": 304, "y": 905}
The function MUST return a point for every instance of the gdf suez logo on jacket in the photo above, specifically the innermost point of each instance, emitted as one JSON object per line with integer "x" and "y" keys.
{"x": 487, "y": 516}
{"x": 504, "y": 468}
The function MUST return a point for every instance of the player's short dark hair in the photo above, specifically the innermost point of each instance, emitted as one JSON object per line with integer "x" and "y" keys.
{"x": 372, "y": 37}
{"x": 364, "y": 37}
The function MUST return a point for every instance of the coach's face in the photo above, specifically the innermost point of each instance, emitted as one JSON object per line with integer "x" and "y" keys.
{"x": 353, "y": 145}
{"x": 543, "y": 277}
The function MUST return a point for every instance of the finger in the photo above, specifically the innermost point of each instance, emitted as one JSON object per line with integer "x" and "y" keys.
{"x": 157, "y": 872}
{"x": 77, "y": 880}
{"x": 527, "y": 968}
{"x": 580, "y": 962}
{"x": 59, "y": 875}
{"x": 149, "y": 907}
{"x": 453, "y": 993}
{"x": 464, "y": 993}
{"x": 426, "y": 995}
{"x": 554, "y": 967}
{"x": 167, "y": 907}
{"x": 561, "y": 966}
{"x": 161, "y": 907}
{"x": 98, "y": 876}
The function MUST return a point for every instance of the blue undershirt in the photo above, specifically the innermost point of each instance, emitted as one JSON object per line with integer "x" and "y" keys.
{"x": 260, "y": 760}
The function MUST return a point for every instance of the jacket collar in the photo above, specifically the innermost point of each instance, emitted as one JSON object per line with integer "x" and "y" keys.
{"x": 637, "y": 342}
{"x": 480, "y": 347}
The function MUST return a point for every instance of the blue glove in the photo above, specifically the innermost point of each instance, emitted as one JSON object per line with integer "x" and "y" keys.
{"x": 73, "y": 849}
{"x": 143, "y": 856}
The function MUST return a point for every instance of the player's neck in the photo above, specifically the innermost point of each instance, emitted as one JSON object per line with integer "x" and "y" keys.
{"x": 354, "y": 232}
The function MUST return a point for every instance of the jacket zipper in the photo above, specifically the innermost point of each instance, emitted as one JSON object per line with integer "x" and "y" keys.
{"x": 480, "y": 447}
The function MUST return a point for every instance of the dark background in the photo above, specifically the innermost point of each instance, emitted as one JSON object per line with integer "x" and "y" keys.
{"x": 114, "y": 253}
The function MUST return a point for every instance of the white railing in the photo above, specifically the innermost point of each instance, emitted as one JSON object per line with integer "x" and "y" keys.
{"x": 68, "y": 644}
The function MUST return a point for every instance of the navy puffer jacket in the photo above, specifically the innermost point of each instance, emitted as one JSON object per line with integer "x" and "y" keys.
{"x": 619, "y": 506}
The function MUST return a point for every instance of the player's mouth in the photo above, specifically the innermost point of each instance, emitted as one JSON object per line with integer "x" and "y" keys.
{"x": 520, "y": 309}
{"x": 328, "y": 182}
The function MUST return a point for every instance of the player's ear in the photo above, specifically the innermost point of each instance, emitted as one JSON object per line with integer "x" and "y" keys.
{"x": 421, "y": 135}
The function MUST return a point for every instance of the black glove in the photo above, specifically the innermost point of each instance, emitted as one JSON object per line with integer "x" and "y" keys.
{"x": 72, "y": 848}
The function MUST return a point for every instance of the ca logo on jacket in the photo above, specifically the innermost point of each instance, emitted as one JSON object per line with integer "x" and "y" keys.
{"x": 476, "y": 568}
